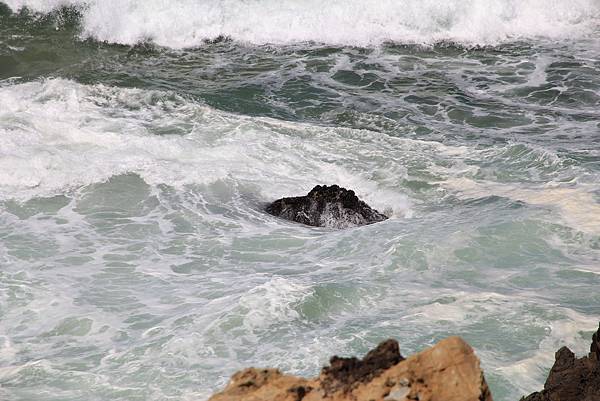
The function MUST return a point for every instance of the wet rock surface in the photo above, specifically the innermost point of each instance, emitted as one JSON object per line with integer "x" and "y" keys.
{"x": 344, "y": 373}
{"x": 326, "y": 206}
{"x": 571, "y": 378}
{"x": 448, "y": 371}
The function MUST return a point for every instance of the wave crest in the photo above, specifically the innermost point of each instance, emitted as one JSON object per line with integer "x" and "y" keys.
{"x": 189, "y": 23}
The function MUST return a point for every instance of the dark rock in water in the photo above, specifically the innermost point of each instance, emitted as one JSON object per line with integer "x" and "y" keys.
{"x": 326, "y": 206}
{"x": 572, "y": 379}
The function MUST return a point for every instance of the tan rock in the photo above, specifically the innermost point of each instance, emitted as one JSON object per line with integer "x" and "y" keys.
{"x": 448, "y": 371}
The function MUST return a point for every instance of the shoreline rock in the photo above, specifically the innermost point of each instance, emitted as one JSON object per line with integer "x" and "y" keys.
{"x": 326, "y": 206}
{"x": 571, "y": 378}
{"x": 448, "y": 371}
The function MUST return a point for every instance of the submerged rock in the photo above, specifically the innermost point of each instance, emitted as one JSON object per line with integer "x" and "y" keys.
{"x": 573, "y": 379}
{"x": 326, "y": 206}
{"x": 448, "y": 371}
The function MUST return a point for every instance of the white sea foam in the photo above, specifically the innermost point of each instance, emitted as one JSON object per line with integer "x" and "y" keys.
{"x": 355, "y": 22}
{"x": 58, "y": 135}
{"x": 272, "y": 303}
{"x": 576, "y": 205}
{"x": 563, "y": 332}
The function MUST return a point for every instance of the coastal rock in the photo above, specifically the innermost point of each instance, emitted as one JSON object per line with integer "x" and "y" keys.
{"x": 573, "y": 379}
{"x": 448, "y": 371}
{"x": 326, "y": 206}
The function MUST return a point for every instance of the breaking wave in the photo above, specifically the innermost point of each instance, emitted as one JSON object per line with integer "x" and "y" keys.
{"x": 189, "y": 23}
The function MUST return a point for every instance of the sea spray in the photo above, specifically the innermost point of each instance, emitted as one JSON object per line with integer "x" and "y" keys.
{"x": 189, "y": 23}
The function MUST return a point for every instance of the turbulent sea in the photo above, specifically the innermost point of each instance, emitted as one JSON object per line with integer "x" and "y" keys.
{"x": 141, "y": 139}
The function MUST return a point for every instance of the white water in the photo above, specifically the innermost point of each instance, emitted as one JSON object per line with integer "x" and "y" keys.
{"x": 355, "y": 22}
{"x": 137, "y": 264}
{"x": 60, "y": 135}
{"x": 178, "y": 279}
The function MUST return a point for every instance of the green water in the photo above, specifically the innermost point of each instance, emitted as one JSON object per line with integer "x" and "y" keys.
{"x": 136, "y": 262}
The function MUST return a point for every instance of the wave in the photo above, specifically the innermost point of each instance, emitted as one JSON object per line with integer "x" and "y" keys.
{"x": 59, "y": 136}
{"x": 189, "y": 23}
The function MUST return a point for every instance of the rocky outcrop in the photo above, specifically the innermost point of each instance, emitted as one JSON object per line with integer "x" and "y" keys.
{"x": 326, "y": 206}
{"x": 573, "y": 379}
{"x": 448, "y": 371}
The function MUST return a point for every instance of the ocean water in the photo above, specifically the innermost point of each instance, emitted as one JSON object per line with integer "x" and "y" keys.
{"x": 141, "y": 140}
